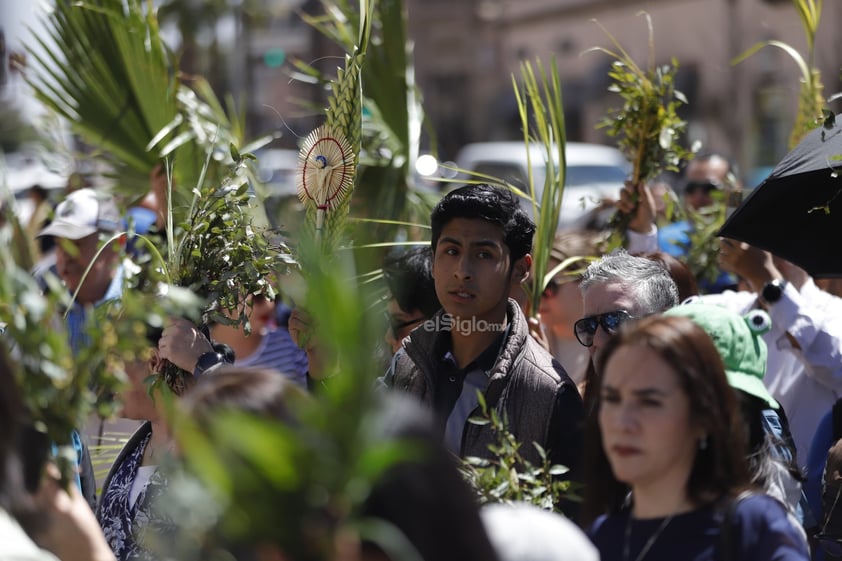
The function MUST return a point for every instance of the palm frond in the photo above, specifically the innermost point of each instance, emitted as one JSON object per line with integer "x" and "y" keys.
{"x": 104, "y": 67}
{"x": 542, "y": 119}
{"x": 393, "y": 117}
{"x": 811, "y": 102}
{"x": 343, "y": 120}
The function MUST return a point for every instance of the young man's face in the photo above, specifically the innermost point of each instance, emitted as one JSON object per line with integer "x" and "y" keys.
{"x": 472, "y": 270}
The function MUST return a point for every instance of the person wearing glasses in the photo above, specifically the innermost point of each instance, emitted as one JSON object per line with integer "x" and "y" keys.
{"x": 615, "y": 289}
{"x": 412, "y": 292}
{"x": 705, "y": 175}
{"x": 480, "y": 341}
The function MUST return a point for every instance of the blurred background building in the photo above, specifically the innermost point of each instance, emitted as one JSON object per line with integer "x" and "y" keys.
{"x": 467, "y": 50}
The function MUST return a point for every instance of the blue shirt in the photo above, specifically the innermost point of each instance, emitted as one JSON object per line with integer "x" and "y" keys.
{"x": 279, "y": 352}
{"x": 77, "y": 315}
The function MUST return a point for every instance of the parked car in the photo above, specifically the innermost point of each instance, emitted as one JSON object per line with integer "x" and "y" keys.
{"x": 594, "y": 173}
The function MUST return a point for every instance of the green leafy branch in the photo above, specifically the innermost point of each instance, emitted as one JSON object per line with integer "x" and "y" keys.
{"x": 647, "y": 126}
{"x": 60, "y": 390}
{"x": 220, "y": 253}
{"x": 104, "y": 68}
{"x": 508, "y": 477}
{"x": 703, "y": 244}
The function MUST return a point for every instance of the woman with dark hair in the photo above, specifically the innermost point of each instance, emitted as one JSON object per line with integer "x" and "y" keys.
{"x": 666, "y": 463}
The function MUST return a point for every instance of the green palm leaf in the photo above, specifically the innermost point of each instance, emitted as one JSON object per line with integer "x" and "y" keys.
{"x": 542, "y": 120}
{"x": 811, "y": 102}
{"x": 104, "y": 68}
{"x": 392, "y": 116}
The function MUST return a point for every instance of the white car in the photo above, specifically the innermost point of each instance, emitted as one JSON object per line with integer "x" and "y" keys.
{"x": 594, "y": 173}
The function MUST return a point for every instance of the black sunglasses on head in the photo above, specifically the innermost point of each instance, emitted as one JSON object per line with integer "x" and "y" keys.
{"x": 586, "y": 327}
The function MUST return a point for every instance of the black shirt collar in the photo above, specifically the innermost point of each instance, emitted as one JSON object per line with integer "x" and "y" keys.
{"x": 486, "y": 359}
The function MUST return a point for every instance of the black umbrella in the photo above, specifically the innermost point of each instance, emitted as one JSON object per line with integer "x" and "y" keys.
{"x": 796, "y": 213}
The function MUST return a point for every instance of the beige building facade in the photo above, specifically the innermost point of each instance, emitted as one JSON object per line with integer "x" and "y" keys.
{"x": 467, "y": 50}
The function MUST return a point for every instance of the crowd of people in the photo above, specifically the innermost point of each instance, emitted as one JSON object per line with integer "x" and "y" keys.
{"x": 695, "y": 417}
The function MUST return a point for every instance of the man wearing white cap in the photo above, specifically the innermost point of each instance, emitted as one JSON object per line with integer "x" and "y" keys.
{"x": 83, "y": 221}
{"x": 80, "y": 221}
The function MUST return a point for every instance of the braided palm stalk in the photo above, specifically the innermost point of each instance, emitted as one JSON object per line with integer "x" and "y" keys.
{"x": 344, "y": 116}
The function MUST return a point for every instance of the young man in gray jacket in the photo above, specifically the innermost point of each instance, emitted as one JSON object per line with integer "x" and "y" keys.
{"x": 480, "y": 341}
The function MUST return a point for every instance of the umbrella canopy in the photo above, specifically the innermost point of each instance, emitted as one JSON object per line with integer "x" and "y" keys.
{"x": 796, "y": 213}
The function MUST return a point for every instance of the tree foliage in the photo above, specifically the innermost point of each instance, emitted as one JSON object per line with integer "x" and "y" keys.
{"x": 647, "y": 126}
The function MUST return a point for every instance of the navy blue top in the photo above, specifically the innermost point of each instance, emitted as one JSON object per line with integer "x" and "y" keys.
{"x": 819, "y": 447}
{"x": 762, "y": 532}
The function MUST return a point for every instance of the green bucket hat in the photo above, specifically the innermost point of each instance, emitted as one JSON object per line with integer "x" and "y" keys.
{"x": 738, "y": 340}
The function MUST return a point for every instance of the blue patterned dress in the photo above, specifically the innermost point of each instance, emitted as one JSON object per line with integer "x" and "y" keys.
{"x": 127, "y": 527}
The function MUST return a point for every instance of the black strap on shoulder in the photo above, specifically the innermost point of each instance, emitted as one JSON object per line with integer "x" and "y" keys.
{"x": 837, "y": 420}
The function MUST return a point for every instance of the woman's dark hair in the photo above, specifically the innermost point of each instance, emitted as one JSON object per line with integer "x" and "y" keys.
{"x": 258, "y": 391}
{"x": 493, "y": 204}
{"x": 425, "y": 497}
{"x": 680, "y": 273}
{"x": 720, "y": 469}
{"x": 409, "y": 276}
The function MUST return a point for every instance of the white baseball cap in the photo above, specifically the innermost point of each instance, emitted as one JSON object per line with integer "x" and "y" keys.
{"x": 82, "y": 213}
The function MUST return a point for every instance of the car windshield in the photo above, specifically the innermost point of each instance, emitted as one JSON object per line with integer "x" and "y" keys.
{"x": 585, "y": 175}
{"x": 577, "y": 175}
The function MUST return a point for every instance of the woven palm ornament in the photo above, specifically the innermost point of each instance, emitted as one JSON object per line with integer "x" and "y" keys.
{"x": 325, "y": 172}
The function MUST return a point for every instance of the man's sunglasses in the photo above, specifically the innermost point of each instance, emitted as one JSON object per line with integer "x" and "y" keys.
{"x": 586, "y": 327}
{"x": 706, "y": 186}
